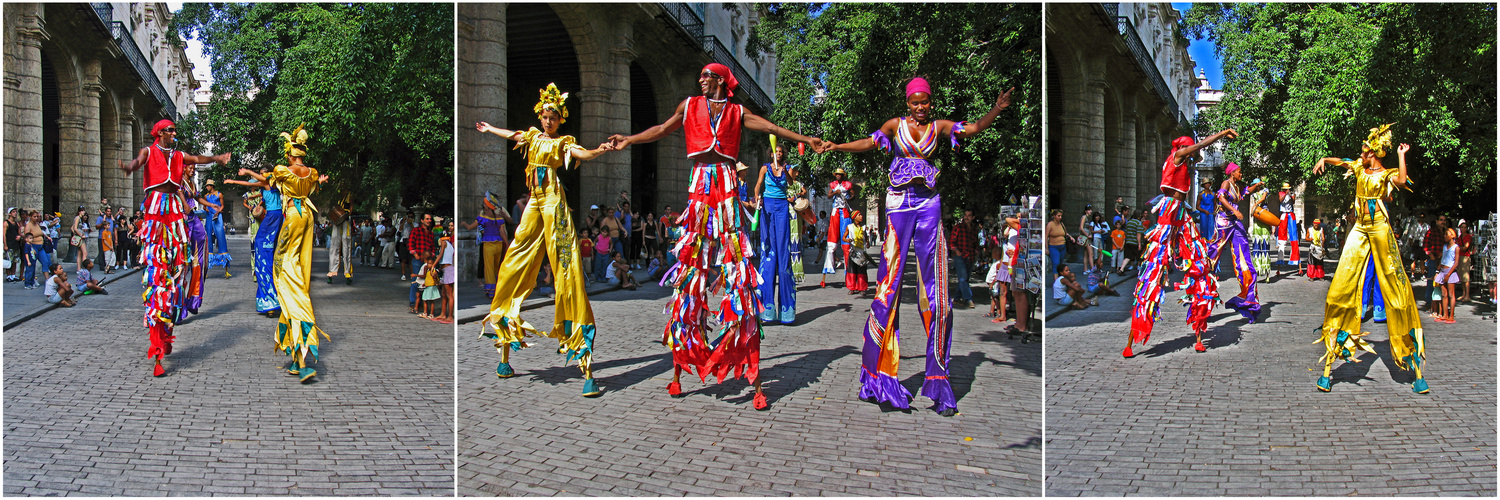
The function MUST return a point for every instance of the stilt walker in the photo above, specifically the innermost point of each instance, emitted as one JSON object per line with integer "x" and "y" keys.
{"x": 217, "y": 244}
{"x": 491, "y": 240}
{"x": 713, "y": 238}
{"x": 1371, "y": 246}
{"x": 1230, "y": 232}
{"x": 264, "y": 242}
{"x": 166, "y": 252}
{"x": 1175, "y": 231}
{"x": 838, "y": 193}
{"x": 776, "y": 247}
{"x": 1289, "y": 232}
{"x": 915, "y": 210}
{"x": 192, "y": 299}
{"x": 545, "y": 229}
{"x": 297, "y": 328}
{"x": 1260, "y": 235}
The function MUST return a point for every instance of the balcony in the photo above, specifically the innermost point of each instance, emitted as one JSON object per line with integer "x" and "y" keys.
{"x": 1132, "y": 39}
{"x": 138, "y": 61}
{"x": 692, "y": 26}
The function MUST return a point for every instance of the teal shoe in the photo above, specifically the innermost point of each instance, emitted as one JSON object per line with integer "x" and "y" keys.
{"x": 291, "y": 369}
{"x": 1325, "y": 384}
{"x": 590, "y": 389}
{"x": 1419, "y": 387}
{"x": 308, "y": 374}
{"x": 503, "y": 370}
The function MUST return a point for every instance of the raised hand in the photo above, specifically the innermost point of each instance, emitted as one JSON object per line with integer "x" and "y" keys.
{"x": 322, "y": 179}
{"x": 1403, "y": 148}
{"x": 1003, "y": 101}
{"x": 1230, "y": 133}
{"x": 1318, "y": 167}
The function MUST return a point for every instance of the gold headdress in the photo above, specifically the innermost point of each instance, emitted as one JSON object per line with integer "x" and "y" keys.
{"x": 296, "y": 142}
{"x": 552, "y": 99}
{"x": 1379, "y": 140}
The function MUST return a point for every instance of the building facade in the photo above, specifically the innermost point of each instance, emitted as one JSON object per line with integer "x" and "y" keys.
{"x": 626, "y": 67}
{"x": 83, "y": 85}
{"x": 1120, "y": 87}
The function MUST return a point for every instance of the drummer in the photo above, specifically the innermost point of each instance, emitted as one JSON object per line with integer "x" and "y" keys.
{"x": 1261, "y": 222}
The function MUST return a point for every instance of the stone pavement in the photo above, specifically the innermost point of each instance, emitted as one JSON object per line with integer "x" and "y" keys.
{"x": 534, "y": 435}
{"x": 1245, "y": 417}
{"x": 83, "y": 416}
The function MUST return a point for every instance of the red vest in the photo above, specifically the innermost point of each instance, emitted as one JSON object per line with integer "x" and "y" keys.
{"x": 702, "y": 137}
{"x": 1174, "y": 177}
{"x": 159, "y": 171}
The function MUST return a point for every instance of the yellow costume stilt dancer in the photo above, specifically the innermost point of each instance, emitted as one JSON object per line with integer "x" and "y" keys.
{"x": 1371, "y": 237}
{"x": 545, "y": 226}
{"x": 297, "y": 330}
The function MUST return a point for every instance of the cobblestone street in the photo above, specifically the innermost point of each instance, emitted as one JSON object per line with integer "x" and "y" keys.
{"x": 83, "y": 416}
{"x": 534, "y": 435}
{"x": 1244, "y": 418}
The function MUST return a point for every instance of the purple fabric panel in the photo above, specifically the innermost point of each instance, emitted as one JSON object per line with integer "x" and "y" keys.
{"x": 881, "y": 140}
{"x": 953, "y": 134}
{"x": 903, "y": 170}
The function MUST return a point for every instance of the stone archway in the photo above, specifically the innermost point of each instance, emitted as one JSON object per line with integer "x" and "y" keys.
{"x": 541, "y": 51}
{"x": 51, "y": 149}
{"x": 643, "y": 158}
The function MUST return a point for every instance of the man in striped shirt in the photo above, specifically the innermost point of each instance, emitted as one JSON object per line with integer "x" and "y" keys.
{"x": 1135, "y": 232}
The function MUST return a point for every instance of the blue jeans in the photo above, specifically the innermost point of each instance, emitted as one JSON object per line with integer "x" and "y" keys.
{"x": 411, "y": 298}
{"x": 40, "y": 263}
{"x": 1056, "y": 254}
{"x": 965, "y": 292}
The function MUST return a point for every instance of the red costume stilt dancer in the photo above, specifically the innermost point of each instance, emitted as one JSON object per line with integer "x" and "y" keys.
{"x": 166, "y": 250}
{"x": 1175, "y": 228}
{"x": 713, "y": 238}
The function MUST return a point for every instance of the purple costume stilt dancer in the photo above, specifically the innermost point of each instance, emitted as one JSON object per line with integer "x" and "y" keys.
{"x": 1231, "y": 231}
{"x": 914, "y": 210}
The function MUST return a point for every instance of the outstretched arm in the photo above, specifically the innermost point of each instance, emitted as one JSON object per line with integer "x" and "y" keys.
{"x": 972, "y": 128}
{"x": 1318, "y": 167}
{"x": 617, "y": 141}
{"x": 259, "y": 184}
{"x": 589, "y": 154}
{"x": 135, "y": 164}
{"x": 754, "y": 122}
{"x": 514, "y": 135}
{"x": 1190, "y": 150}
{"x": 188, "y": 159}
{"x": 862, "y": 145}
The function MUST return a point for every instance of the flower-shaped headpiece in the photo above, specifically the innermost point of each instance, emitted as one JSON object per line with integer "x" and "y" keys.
{"x": 296, "y": 142}
{"x": 1379, "y": 140}
{"x": 553, "y": 99}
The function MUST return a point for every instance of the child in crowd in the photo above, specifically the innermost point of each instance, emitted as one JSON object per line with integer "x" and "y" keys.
{"x": 601, "y": 266}
{"x": 431, "y": 293}
{"x": 86, "y": 279}
{"x": 57, "y": 290}
{"x": 620, "y": 272}
{"x": 998, "y": 278}
{"x": 1446, "y": 277}
{"x": 1098, "y": 280}
{"x": 586, "y": 251}
{"x": 653, "y": 272}
{"x": 418, "y": 306}
{"x": 1068, "y": 292}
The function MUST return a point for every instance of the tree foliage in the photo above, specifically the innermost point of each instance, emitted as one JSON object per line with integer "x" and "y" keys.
{"x": 372, "y": 82}
{"x": 863, "y": 55}
{"x": 1307, "y": 81}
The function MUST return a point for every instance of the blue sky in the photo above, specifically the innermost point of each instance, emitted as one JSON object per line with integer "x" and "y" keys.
{"x": 1202, "y": 52}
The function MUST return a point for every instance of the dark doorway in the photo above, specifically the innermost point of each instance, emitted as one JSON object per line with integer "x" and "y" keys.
{"x": 51, "y": 147}
{"x": 540, "y": 52}
{"x": 642, "y": 156}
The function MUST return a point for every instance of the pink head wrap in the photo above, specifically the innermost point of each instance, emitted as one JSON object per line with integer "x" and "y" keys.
{"x": 729, "y": 80}
{"x": 918, "y": 84}
{"x": 1231, "y": 167}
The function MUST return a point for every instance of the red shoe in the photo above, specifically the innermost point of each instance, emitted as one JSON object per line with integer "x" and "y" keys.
{"x": 1128, "y": 353}
{"x": 675, "y": 389}
{"x": 159, "y": 371}
{"x": 1199, "y": 346}
{"x": 760, "y": 402}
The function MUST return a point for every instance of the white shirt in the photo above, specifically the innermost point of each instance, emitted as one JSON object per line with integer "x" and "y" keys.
{"x": 379, "y": 230}
{"x": 1059, "y": 290}
{"x": 51, "y": 288}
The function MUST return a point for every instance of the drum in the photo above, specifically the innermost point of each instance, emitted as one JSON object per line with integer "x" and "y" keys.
{"x": 1265, "y": 217}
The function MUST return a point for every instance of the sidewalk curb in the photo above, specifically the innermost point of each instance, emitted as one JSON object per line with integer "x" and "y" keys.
{"x": 32, "y": 314}
{"x": 1123, "y": 281}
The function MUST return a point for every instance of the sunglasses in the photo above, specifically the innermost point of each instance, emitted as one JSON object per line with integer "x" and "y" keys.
{"x": 170, "y": 129}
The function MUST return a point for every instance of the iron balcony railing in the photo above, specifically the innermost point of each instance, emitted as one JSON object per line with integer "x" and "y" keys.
{"x": 1143, "y": 59}
{"x": 143, "y": 67}
{"x": 692, "y": 25}
{"x": 126, "y": 43}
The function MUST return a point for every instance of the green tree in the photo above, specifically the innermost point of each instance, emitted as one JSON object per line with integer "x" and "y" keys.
{"x": 372, "y": 82}
{"x": 1306, "y": 81}
{"x": 863, "y": 55}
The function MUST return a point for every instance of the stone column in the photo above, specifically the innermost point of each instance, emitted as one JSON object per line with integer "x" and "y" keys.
{"x": 1127, "y": 154}
{"x": 23, "y": 105}
{"x": 673, "y": 168}
{"x": 482, "y": 82}
{"x": 605, "y": 110}
{"x": 1152, "y": 154}
{"x": 79, "y": 136}
{"x": 127, "y": 151}
{"x": 1083, "y": 148}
